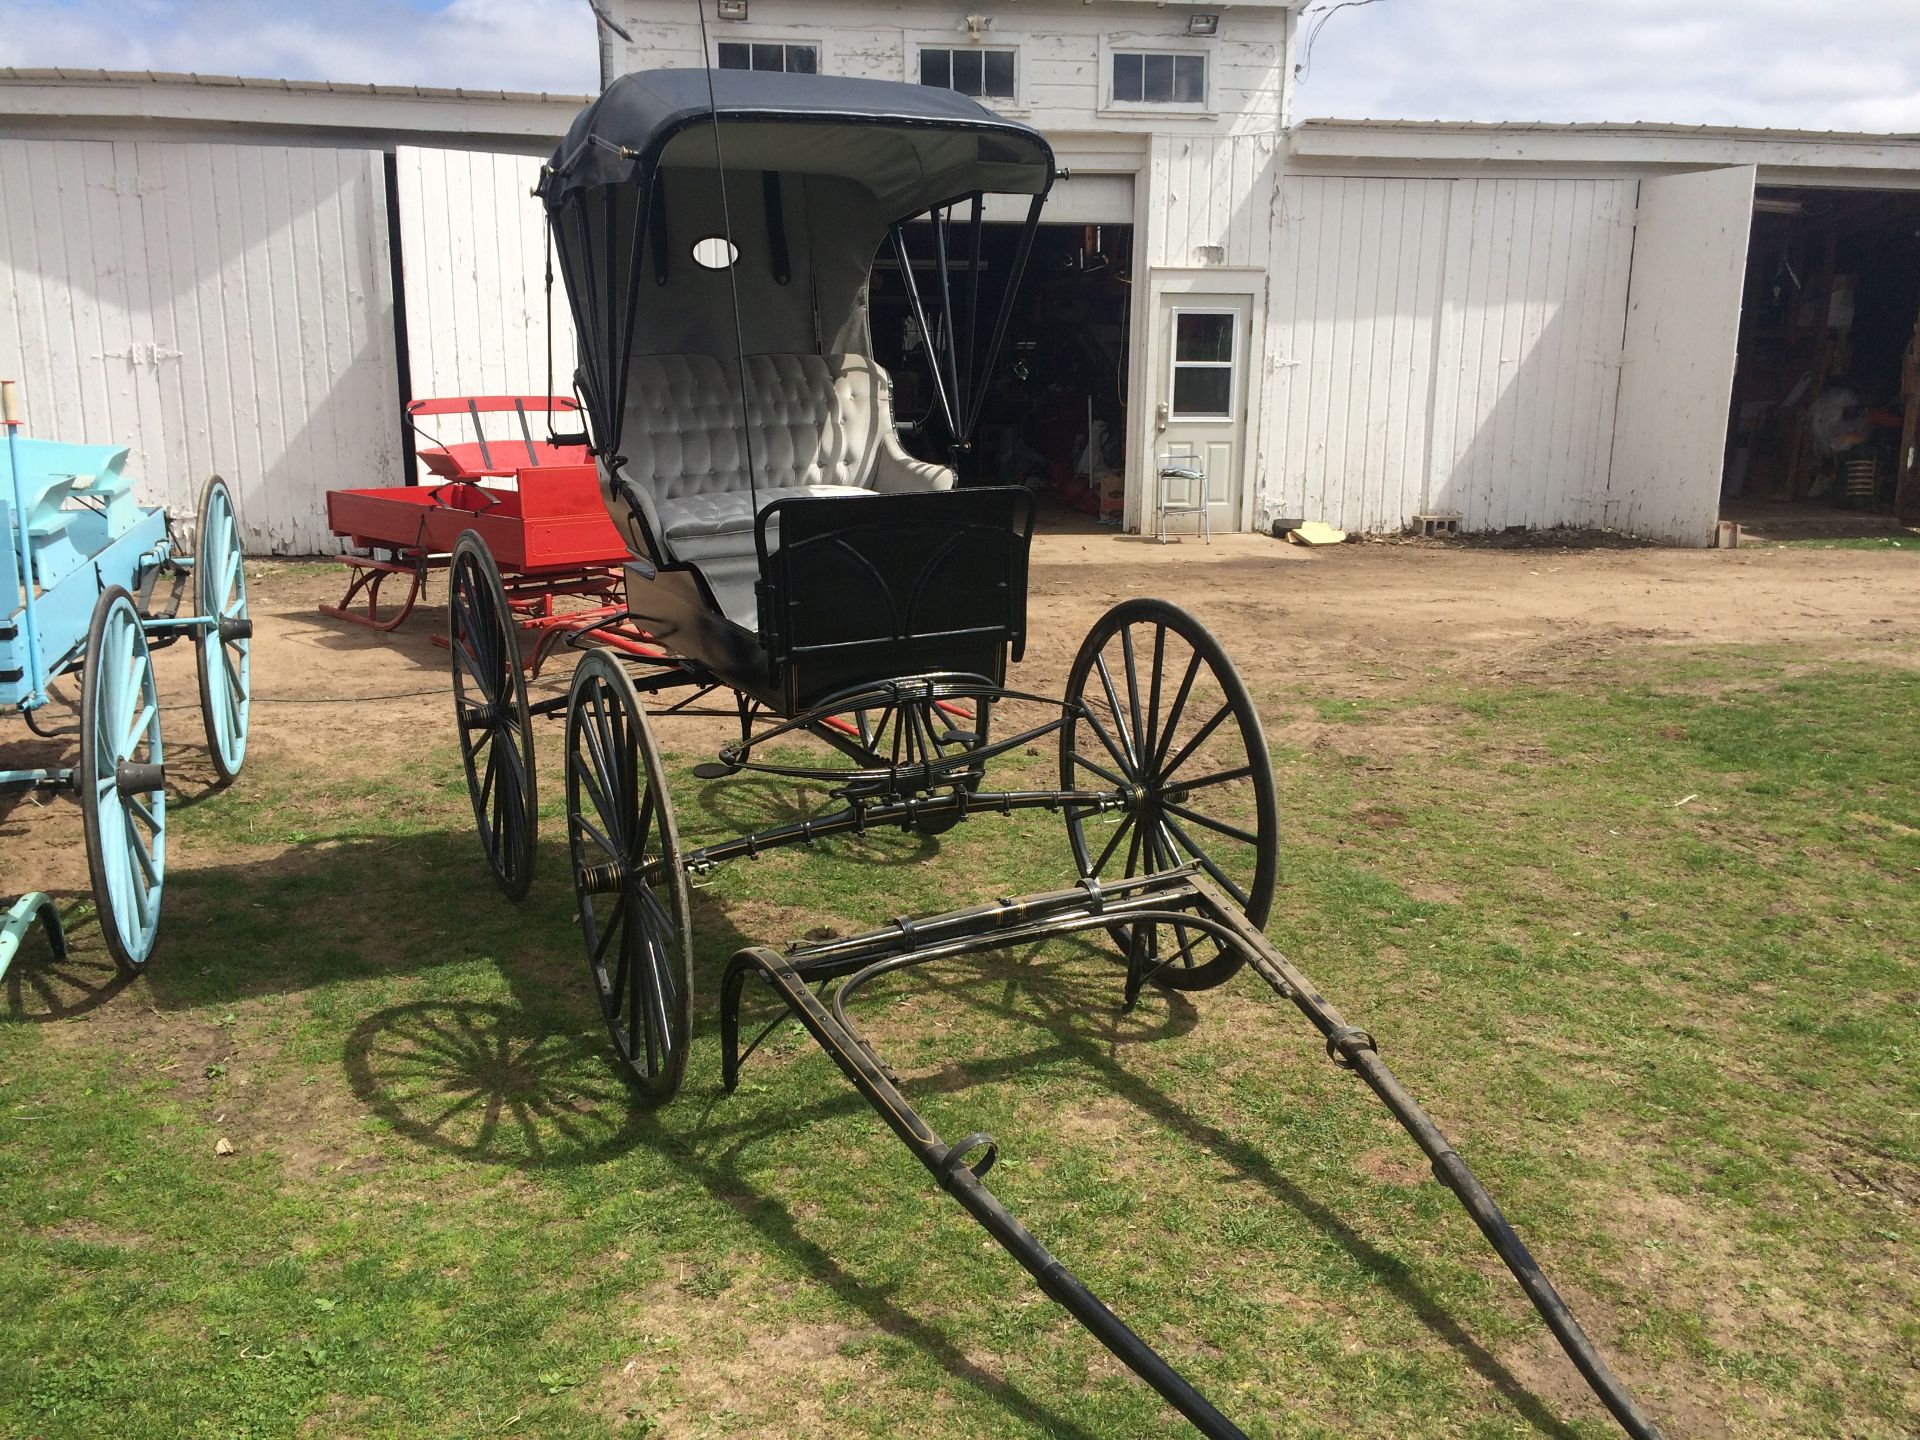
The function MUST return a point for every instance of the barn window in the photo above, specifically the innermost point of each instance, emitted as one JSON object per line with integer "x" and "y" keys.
{"x": 1159, "y": 79}
{"x": 983, "y": 74}
{"x": 767, "y": 55}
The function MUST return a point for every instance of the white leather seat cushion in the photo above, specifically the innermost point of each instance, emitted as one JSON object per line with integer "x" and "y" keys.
{"x": 728, "y": 513}
{"x": 812, "y": 424}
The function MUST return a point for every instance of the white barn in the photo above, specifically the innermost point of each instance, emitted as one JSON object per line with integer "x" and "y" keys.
{"x": 1519, "y": 324}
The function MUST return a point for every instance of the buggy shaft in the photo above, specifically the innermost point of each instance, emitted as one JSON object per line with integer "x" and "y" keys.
{"x": 947, "y": 1164}
{"x": 1178, "y": 897}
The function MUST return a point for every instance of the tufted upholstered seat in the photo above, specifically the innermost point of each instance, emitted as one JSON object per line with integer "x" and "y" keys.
{"x": 819, "y": 424}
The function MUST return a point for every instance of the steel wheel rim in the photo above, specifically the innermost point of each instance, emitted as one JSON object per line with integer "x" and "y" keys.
{"x": 1155, "y": 706}
{"x": 126, "y": 831}
{"x": 226, "y": 674}
{"x": 490, "y": 709}
{"x": 628, "y": 881}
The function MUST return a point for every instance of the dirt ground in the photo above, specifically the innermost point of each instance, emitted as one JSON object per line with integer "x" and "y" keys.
{"x": 1352, "y": 620}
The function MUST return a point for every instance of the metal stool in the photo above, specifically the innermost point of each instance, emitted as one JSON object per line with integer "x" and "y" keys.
{"x": 1185, "y": 469}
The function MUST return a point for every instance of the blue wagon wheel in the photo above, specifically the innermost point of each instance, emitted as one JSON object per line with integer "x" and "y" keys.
{"x": 220, "y": 584}
{"x": 1155, "y": 708}
{"x": 490, "y": 703}
{"x": 627, "y": 876}
{"x": 122, "y": 779}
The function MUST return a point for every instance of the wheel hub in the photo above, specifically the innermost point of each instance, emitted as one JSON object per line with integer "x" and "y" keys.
{"x": 132, "y": 779}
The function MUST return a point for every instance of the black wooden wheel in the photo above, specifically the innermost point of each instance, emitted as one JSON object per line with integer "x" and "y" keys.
{"x": 627, "y": 876}
{"x": 490, "y": 706}
{"x": 1155, "y": 706}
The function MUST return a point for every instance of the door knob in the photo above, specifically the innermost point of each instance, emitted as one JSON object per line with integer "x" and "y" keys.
{"x": 1160, "y": 416}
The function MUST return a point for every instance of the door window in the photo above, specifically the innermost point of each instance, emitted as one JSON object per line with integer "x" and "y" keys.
{"x": 1204, "y": 345}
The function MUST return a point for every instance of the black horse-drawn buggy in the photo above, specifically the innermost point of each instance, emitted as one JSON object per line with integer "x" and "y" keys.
{"x": 717, "y": 233}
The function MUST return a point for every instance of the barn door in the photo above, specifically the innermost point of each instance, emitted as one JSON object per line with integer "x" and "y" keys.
{"x": 1676, "y": 379}
{"x": 473, "y": 254}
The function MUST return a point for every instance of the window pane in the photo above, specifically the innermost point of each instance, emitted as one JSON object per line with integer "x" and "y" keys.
{"x": 769, "y": 57}
{"x": 1126, "y": 77}
{"x": 1204, "y": 337}
{"x": 1198, "y": 391}
{"x": 966, "y": 71}
{"x": 935, "y": 68}
{"x": 803, "y": 60}
{"x": 735, "y": 56}
{"x": 1000, "y": 74}
{"x": 1190, "y": 79}
{"x": 1159, "y": 79}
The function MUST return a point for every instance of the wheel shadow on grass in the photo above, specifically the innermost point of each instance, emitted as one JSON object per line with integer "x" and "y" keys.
{"x": 475, "y": 1081}
{"x": 483, "y": 1061}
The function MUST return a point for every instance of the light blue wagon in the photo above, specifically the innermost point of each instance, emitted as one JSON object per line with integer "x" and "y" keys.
{"x": 91, "y": 585}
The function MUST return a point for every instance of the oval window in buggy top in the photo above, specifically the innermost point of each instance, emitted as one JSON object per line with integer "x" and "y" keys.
{"x": 716, "y": 252}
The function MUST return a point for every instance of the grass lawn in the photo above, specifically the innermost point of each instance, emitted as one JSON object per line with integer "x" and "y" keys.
{"x": 1643, "y": 942}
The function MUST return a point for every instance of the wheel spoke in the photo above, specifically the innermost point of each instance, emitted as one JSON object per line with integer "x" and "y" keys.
{"x": 1218, "y": 826}
{"x": 140, "y": 857}
{"x": 1219, "y": 777}
{"x": 1119, "y": 719}
{"x": 605, "y": 844}
{"x": 1186, "y": 751}
{"x": 1138, "y": 739}
{"x": 616, "y": 917}
{"x": 151, "y": 820}
{"x": 1098, "y": 769}
{"x": 1124, "y": 760}
{"x": 1148, "y": 747}
{"x": 486, "y": 785}
{"x": 1179, "y": 708}
{"x": 1120, "y": 833}
{"x": 1207, "y": 863}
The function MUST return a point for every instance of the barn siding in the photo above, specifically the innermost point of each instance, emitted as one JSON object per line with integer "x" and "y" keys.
{"x": 473, "y": 253}
{"x": 219, "y": 308}
{"x": 1444, "y": 345}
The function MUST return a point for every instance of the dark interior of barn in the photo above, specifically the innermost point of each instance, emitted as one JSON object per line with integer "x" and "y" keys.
{"x": 1826, "y": 395}
{"x": 1062, "y": 373}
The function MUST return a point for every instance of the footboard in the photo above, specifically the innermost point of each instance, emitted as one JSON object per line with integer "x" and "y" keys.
{"x": 859, "y": 589}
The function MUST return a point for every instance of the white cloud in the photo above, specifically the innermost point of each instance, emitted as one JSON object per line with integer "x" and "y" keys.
{"x": 479, "y": 44}
{"x": 1837, "y": 64}
{"x": 1806, "y": 64}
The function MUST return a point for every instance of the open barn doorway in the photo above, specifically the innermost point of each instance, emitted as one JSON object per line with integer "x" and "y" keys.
{"x": 1826, "y": 396}
{"x": 1054, "y": 414}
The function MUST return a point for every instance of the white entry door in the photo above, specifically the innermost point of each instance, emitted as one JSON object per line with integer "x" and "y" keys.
{"x": 1676, "y": 379}
{"x": 1201, "y": 413}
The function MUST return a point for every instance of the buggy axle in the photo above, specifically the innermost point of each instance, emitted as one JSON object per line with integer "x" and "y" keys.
{"x": 861, "y": 815}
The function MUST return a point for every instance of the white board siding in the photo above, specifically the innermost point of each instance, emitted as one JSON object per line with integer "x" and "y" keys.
{"x": 1444, "y": 345}
{"x": 473, "y": 244}
{"x": 1682, "y": 332}
{"x": 218, "y": 308}
{"x": 1212, "y": 200}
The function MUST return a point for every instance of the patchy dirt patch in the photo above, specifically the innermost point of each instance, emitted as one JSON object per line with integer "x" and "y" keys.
{"x": 706, "y": 1357}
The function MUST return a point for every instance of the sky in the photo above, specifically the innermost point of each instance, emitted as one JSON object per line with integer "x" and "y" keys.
{"x": 1797, "y": 64}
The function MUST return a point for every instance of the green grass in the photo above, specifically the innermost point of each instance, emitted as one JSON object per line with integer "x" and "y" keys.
{"x": 1642, "y": 942}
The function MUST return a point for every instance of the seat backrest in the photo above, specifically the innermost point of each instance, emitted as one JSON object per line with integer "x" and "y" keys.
{"x": 813, "y": 419}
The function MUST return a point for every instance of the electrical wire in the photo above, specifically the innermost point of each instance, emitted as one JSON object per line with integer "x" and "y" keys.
{"x": 1325, "y": 13}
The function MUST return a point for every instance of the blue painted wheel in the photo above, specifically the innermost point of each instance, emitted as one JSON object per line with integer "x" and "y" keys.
{"x": 122, "y": 780}
{"x": 220, "y": 588}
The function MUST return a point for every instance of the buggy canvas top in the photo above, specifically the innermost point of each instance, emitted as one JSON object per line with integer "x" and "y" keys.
{"x": 805, "y": 177}
{"x": 910, "y": 146}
